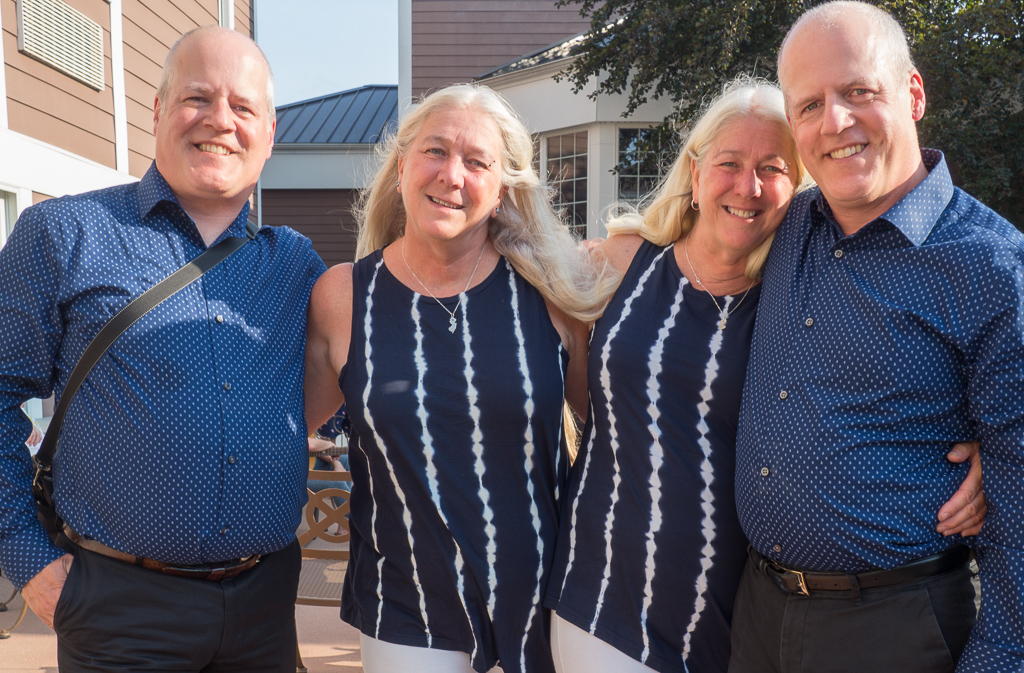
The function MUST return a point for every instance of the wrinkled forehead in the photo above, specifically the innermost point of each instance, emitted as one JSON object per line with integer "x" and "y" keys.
{"x": 467, "y": 129}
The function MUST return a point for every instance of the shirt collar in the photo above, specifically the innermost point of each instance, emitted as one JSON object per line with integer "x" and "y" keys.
{"x": 916, "y": 214}
{"x": 154, "y": 190}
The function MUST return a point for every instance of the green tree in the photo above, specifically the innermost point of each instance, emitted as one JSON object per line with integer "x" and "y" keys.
{"x": 970, "y": 54}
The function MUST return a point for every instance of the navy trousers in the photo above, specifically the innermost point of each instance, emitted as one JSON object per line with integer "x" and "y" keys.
{"x": 113, "y": 616}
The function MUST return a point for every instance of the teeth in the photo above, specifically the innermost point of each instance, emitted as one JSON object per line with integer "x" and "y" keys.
{"x": 445, "y": 203}
{"x": 741, "y": 213}
{"x": 846, "y": 152}
{"x": 215, "y": 149}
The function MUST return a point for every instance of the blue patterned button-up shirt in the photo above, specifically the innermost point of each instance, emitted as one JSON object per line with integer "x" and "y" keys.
{"x": 873, "y": 353}
{"x": 186, "y": 443}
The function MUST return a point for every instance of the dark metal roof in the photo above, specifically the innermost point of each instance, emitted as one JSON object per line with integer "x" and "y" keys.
{"x": 555, "y": 52}
{"x": 354, "y": 116}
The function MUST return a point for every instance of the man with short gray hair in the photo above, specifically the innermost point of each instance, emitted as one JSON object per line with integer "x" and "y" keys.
{"x": 890, "y": 326}
{"x": 182, "y": 463}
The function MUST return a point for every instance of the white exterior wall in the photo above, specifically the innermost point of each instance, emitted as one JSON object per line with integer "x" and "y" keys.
{"x": 319, "y": 166}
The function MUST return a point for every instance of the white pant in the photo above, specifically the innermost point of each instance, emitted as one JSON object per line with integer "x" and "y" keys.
{"x": 576, "y": 651}
{"x": 381, "y": 657}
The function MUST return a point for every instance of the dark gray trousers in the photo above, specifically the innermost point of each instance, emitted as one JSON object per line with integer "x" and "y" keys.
{"x": 916, "y": 627}
{"x": 113, "y": 616}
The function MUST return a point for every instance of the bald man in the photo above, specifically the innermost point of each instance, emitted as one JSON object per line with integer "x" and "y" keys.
{"x": 182, "y": 463}
{"x": 891, "y": 325}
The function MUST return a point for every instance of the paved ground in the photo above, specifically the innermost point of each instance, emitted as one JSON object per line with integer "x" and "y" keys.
{"x": 328, "y": 645}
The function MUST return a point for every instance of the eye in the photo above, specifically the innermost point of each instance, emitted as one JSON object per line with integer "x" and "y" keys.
{"x": 811, "y": 107}
{"x": 729, "y": 165}
{"x": 859, "y": 92}
{"x": 478, "y": 164}
{"x": 434, "y": 151}
{"x": 242, "y": 110}
{"x": 772, "y": 169}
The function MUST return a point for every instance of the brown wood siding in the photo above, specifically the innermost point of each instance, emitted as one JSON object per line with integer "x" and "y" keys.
{"x": 457, "y": 40}
{"x": 52, "y": 107}
{"x": 150, "y": 28}
{"x": 324, "y": 215}
{"x": 243, "y": 17}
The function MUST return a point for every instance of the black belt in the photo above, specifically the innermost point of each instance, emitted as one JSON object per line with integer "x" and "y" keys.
{"x": 214, "y": 572}
{"x": 803, "y": 582}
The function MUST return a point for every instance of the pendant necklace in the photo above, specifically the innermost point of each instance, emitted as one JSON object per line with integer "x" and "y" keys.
{"x": 452, "y": 322}
{"x": 722, "y": 313}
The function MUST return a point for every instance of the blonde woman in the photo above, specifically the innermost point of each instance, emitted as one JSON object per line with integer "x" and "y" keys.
{"x": 454, "y": 340}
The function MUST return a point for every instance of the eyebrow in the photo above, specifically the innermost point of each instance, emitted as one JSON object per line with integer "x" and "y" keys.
{"x": 471, "y": 150}
{"x": 769, "y": 156}
{"x": 208, "y": 91}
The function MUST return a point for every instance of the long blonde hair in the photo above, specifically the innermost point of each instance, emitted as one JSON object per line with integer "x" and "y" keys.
{"x": 666, "y": 216}
{"x": 526, "y": 230}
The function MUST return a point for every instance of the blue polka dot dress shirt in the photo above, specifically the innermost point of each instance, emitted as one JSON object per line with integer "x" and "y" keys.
{"x": 873, "y": 353}
{"x": 186, "y": 443}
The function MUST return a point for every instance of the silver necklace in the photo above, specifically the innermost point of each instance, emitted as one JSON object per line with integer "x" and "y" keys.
{"x": 452, "y": 322}
{"x": 722, "y": 313}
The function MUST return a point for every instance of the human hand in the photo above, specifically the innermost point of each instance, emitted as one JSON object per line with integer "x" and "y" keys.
{"x": 318, "y": 445}
{"x": 36, "y": 437}
{"x": 964, "y": 513}
{"x": 43, "y": 591}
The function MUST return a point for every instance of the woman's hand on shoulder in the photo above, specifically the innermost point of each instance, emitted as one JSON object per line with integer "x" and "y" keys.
{"x": 618, "y": 250}
{"x": 328, "y": 333}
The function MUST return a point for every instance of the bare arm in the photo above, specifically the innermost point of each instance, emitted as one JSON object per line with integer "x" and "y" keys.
{"x": 328, "y": 333}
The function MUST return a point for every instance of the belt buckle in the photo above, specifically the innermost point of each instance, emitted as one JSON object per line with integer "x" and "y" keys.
{"x": 801, "y": 582}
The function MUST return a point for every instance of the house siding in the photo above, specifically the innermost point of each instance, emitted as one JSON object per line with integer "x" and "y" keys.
{"x": 323, "y": 215}
{"x": 47, "y": 105}
{"x": 456, "y": 40}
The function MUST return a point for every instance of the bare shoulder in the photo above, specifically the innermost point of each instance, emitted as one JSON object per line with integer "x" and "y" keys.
{"x": 619, "y": 250}
{"x": 330, "y": 304}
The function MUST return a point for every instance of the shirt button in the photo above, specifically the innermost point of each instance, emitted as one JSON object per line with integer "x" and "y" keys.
{"x": 224, "y": 530}
{"x": 232, "y": 460}
{"x": 783, "y": 395}
{"x": 809, "y": 322}
{"x": 227, "y": 386}
{"x": 838, "y": 254}
{"x": 776, "y": 548}
{"x": 764, "y": 471}
{"x": 219, "y": 319}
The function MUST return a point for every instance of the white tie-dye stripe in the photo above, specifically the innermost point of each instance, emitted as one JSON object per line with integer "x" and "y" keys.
{"x": 478, "y": 452}
{"x": 706, "y": 496}
{"x": 428, "y": 453}
{"x": 657, "y": 459}
{"x": 406, "y": 514}
{"x": 613, "y": 438}
{"x": 368, "y": 353}
{"x": 528, "y": 447}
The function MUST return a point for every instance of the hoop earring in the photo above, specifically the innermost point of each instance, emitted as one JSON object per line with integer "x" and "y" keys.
{"x": 694, "y": 205}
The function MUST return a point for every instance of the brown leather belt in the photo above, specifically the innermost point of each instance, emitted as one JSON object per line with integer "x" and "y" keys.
{"x": 804, "y": 582}
{"x": 214, "y": 572}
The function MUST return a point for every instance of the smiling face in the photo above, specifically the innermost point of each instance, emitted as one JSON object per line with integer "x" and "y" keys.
{"x": 213, "y": 131}
{"x": 743, "y": 185}
{"x": 853, "y": 117}
{"x": 451, "y": 175}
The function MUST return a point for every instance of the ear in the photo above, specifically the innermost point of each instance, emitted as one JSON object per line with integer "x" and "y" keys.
{"x": 401, "y": 170}
{"x": 501, "y": 195}
{"x": 156, "y": 113}
{"x": 917, "y": 97}
{"x": 695, "y": 177}
{"x": 273, "y": 132}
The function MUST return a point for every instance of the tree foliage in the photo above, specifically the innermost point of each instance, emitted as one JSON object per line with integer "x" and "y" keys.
{"x": 970, "y": 54}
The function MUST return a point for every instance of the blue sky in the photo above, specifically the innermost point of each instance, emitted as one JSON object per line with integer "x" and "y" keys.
{"x": 317, "y": 47}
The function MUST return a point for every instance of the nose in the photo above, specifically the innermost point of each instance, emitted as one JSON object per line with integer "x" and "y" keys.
{"x": 219, "y": 115}
{"x": 452, "y": 172}
{"x": 748, "y": 184}
{"x": 838, "y": 116}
